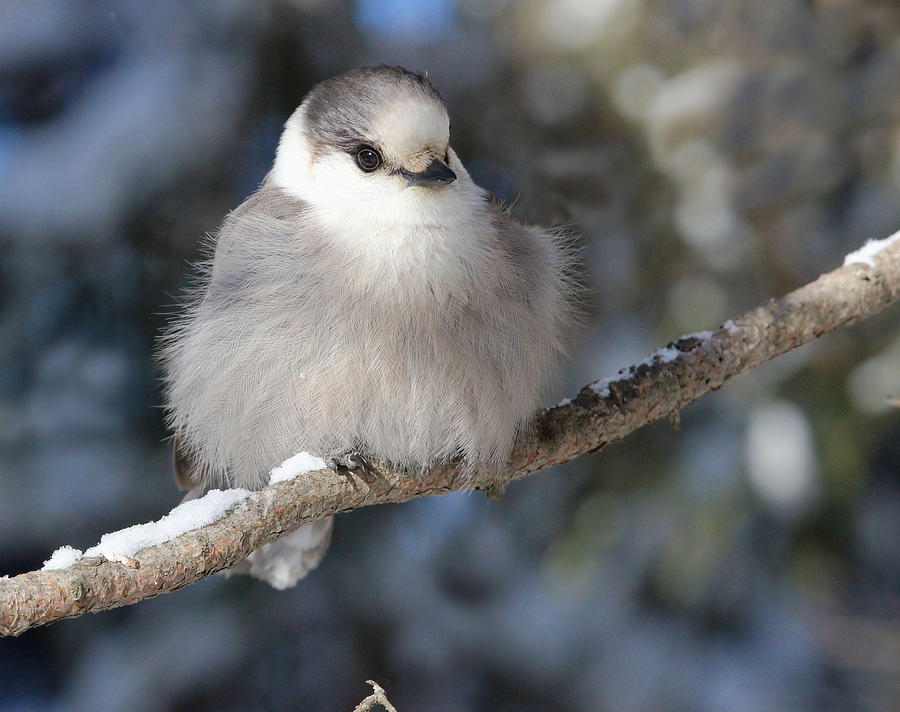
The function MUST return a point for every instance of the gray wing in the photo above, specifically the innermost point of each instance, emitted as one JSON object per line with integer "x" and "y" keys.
{"x": 253, "y": 260}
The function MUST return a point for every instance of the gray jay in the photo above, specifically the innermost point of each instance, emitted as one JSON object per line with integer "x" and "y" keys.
{"x": 368, "y": 299}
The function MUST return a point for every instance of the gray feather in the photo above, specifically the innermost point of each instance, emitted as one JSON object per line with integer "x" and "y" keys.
{"x": 280, "y": 353}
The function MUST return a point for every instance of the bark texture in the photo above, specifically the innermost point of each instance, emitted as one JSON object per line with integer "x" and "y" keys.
{"x": 601, "y": 413}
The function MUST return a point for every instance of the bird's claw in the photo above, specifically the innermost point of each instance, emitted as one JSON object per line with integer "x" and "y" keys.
{"x": 354, "y": 463}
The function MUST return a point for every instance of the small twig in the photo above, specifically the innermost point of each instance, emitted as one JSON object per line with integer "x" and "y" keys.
{"x": 379, "y": 698}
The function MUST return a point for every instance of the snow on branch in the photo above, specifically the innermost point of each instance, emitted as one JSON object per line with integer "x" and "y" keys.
{"x": 603, "y": 412}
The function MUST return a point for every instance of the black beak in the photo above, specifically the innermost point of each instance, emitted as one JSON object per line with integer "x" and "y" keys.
{"x": 437, "y": 173}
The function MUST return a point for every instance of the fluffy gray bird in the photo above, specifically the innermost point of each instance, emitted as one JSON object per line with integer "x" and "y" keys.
{"x": 368, "y": 298}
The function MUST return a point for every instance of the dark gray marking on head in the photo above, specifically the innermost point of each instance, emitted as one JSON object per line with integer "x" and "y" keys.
{"x": 341, "y": 111}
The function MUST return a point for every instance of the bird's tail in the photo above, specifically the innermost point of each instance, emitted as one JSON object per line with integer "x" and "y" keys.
{"x": 285, "y": 561}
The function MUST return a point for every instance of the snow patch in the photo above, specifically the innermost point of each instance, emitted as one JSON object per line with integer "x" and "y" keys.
{"x": 601, "y": 387}
{"x": 62, "y": 558}
{"x": 121, "y": 545}
{"x": 667, "y": 354}
{"x": 299, "y": 464}
{"x": 186, "y": 517}
{"x": 865, "y": 255}
{"x": 699, "y": 335}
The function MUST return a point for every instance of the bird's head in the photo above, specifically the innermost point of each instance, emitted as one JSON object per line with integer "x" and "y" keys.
{"x": 373, "y": 143}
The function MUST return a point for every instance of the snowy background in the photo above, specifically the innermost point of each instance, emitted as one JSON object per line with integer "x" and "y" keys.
{"x": 712, "y": 153}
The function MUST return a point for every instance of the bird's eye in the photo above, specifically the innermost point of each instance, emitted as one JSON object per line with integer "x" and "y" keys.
{"x": 368, "y": 159}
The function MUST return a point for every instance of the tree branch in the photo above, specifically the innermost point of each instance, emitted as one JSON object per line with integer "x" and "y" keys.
{"x": 600, "y": 414}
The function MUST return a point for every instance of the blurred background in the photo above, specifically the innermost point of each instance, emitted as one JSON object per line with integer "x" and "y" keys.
{"x": 712, "y": 153}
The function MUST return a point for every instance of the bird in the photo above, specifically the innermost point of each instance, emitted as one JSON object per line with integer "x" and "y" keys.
{"x": 369, "y": 300}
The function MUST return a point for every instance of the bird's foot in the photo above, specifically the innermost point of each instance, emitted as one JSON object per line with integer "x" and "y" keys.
{"x": 354, "y": 463}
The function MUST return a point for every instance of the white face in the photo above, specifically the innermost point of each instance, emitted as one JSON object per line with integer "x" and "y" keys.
{"x": 412, "y": 133}
{"x": 378, "y": 212}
